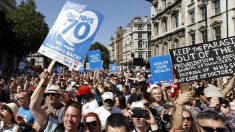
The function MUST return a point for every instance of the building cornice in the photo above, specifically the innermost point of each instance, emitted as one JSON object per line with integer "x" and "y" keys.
{"x": 176, "y": 31}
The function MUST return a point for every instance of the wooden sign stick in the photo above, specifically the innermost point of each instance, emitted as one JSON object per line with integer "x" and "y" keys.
{"x": 42, "y": 80}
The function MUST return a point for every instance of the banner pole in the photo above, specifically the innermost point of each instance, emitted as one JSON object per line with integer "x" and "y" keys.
{"x": 42, "y": 80}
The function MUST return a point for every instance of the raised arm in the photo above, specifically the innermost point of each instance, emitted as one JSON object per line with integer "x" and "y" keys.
{"x": 229, "y": 86}
{"x": 36, "y": 99}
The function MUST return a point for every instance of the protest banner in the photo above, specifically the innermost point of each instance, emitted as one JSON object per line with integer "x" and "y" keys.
{"x": 72, "y": 34}
{"x": 204, "y": 61}
{"x": 70, "y": 37}
{"x": 113, "y": 68}
{"x": 94, "y": 59}
{"x": 161, "y": 69}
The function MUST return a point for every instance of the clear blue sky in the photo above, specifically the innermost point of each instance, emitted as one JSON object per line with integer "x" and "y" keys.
{"x": 116, "y": 12}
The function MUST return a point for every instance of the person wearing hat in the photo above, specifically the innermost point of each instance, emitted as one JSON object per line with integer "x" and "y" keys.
{"x": 8, "y": 117}
{"x": 89, "y": 103}
{"x": 107, "y": 108}
{"x": 53, "y": 106}
{"x": 71, "y": 115}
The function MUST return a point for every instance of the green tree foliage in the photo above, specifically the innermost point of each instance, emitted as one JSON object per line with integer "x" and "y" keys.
{"x": 29, "y": 28}
{"x": 7, "y": 37}
{"x": 104, "y": 53}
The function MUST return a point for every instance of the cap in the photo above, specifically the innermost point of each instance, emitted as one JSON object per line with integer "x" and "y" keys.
{"x": 212, "y": 91}
{"x": 137, "y": 104}
{"x": 13, "y": 107}
{"x": 107, "y": 95}
{"x": 53, "y": 88}
{"x": 83, "y": 89}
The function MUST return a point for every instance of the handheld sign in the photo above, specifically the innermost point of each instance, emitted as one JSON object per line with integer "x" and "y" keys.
{"x": 161, "y": 69}
{"x": 204, "y": 61}
{"x": 113, "y": 68}
{"x": 95, "y": 61}
{"x": 71, "y": 35}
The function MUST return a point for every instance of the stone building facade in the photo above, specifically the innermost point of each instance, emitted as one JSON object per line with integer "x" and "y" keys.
{"x": 168, "y": 25}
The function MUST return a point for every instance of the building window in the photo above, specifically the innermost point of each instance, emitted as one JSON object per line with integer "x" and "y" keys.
{"x": 140, "y": 55}
{"x": 139, "y": 35}
{"x": 176, "y": 20}
{"x": 217, "y": 32}
{"x": 192, "y": 16}
{"x": 165, "y": 48}
{"x": 165, "y": 25}
{"x": 156, "y": 51}
{"x": 157, "y": 28}
{"x": 192, "y": 38}
{"x": 217, "y": 6}
{"x": 203, "y": 12}
{"x": 149, "y": 36}
{"x": 139, "y": 27}
{"x": 140, "y": 44}
{"x": 149, "y": 26}
{"x": 146, "y": 56}
{"x": 203, "y": 35}
{"x": 164, "y": 3}
{"x": 176, "y": 45}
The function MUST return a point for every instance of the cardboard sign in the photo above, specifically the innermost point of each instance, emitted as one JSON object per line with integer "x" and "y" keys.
{"x": 161, "y": 69}
{"x": 204, "y": 61}
{"x": 95, "y": 61}
{"x": 71, "y": 35}
{"x": 113, "y": 68}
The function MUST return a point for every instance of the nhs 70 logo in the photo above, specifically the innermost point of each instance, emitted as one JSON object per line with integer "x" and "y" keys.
{"x": 78, "y": 27}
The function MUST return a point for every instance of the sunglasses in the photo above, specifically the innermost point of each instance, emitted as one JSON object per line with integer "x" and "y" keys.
{"x": 187, "y": 118}
{"x": 20, "y": 98}
{"x": 211, "y": 129}
{"x": 90, "y": 124}
{"x": 52, "y": 94}
{"x": 108, "y": 101}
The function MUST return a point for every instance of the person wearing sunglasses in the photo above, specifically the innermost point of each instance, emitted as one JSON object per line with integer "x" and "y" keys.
{"x": 211, "y": 121}
{"x": 8, "y": 121}
{"x": 53, "y": 106}
{"x": 107, "y": 108}
{"x": 92, "y": 122}
{"x": 25, "y": 116}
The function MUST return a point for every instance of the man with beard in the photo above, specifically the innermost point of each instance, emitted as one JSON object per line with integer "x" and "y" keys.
{"x": 107, "y": 109}
{"x": 25, "y": 115}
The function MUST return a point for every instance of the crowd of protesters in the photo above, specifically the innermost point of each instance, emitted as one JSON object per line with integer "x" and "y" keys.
{"x": 128, "y": 101}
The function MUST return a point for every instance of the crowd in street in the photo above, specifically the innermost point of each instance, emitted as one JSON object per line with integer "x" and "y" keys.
{"x": 127, "y": 101}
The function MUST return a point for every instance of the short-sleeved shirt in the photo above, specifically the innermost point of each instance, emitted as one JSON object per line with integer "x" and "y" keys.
{"x": 51, "y": 125}
{"x": 104, "y": 114}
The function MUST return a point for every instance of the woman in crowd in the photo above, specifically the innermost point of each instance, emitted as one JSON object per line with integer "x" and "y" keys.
{"x": 8, "y": 119}
{"x": 161, "y": 105}
{"x": 120, "y": 102}
{"x": 92, "y": 122}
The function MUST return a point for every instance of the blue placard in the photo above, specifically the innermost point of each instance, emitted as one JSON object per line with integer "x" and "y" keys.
{"x": 113, "y": 68}
{"x": 95, "y": 61}
{"x": 82, "y": 70}
{"x": 72, "y": 34}
{"x": 161, "y": 69}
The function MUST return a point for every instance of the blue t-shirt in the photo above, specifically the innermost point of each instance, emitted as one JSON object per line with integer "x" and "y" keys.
{"x": 27, "y": 115}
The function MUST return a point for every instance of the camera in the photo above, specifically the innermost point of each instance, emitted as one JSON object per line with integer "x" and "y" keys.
{"x": 140, "y": 113}
{"x": 223, "y": 102}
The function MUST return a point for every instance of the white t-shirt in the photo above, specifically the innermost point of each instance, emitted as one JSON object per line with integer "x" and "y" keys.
{"x": 90, "y": 107}
{"x": 104, "y": 114}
